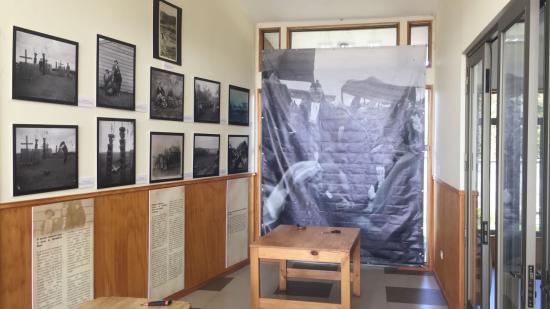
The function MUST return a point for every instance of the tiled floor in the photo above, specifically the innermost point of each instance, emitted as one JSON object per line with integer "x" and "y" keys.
{"x": 380, "y": 288}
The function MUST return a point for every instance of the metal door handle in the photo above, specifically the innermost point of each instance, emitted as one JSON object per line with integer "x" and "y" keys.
{"x": 485, "y": 232}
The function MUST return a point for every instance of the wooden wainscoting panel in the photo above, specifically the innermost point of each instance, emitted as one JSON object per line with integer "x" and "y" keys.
{"x": 15, "y": 258}
{"x": 121, "y": 244}
{"x": 449, "y": 229}
{"x": 204, "y": 231}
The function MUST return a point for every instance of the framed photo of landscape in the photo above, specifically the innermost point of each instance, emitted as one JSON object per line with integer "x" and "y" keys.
{"x": 237, "y": 154}
{"x": 167, "y": 31}
{"x": 167, "y": 95}
{"x": 239, "y": 101}
{"x": 206, "y": 155}
{"x": 166, "y": 157}
{"x": 116, "y": 156}
{"x": 207, "y": 101}
{"x": 45, "y": 158}
{"x": 115, "y": 74}
{"x": 44, "y": 68}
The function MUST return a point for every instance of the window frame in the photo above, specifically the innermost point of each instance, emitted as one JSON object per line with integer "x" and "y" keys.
{"x": 384, "y": 25}
{"x": 261, "y": 35}
{"x": 422, "y": 23}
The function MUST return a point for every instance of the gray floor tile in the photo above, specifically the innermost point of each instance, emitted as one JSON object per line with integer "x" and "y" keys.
{"x": 414, "y": 296}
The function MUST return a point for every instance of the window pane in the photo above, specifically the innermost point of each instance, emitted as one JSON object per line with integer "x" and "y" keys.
{"x": 344, "y": 38}
{"x": 271, "y": 40}
{"x": 420, "y": 36}
{"x": 512, "y": 160}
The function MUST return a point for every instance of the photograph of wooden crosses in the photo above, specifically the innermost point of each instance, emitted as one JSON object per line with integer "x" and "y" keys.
{"x": 166, "y": 157}
{"x": 45, "y": 158}
{"x": 206, "y": 155}
{"x": 207, "y": 100}
{"x": 166, "y": 99}
{"x": 237, "y": 154}
{"x": 167, "y": 31}
{"x": 116, "y": 74}
{"x": 44, "y": 68}
{"x": 116, "y": 155}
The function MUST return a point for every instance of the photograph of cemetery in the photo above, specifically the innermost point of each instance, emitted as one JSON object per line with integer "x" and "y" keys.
{"x": 206, "y": 155}
{"x": 45, "y": 158}
{"x": 44, "y": 68}
{"x": 116, "y": 67}
{"x": 116, "y": 152}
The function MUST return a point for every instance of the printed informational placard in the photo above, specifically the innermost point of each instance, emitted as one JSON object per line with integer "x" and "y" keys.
{"x": 166, "y": 242}
{"x": 63, "y": 254}
{"x": 237, "y": 221}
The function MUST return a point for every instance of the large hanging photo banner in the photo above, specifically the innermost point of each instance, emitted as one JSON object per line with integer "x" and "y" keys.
{"x": 343, "y": 145}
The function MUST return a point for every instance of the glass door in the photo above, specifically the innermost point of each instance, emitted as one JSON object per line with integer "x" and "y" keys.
{"x": 478, "y": 181}
{"x": 511, "y": 159}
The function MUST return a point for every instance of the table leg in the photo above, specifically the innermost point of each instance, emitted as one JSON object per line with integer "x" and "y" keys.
{"x": 282, "y": 275}
{"x": 345, "y": 270}
{"x": 357, "y": 269}
{"x": 254, "y": 278}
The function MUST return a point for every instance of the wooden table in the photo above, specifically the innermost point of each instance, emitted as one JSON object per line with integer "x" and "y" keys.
{"x": 128, "y": 303}
{"x": 313, "y": 244}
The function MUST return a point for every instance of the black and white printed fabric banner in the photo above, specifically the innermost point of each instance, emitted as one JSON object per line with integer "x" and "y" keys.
{"x": 343, "y": 145}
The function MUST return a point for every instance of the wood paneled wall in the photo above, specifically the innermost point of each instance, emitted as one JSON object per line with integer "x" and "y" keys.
{"x": 121, "y": 239}
{"x": 449, "y": 231}
{"x": 204, "y": 231}
{"x": 121, "y": 244}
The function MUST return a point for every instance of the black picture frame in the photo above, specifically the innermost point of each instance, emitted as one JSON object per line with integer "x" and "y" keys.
{"x": 153, "y": 114}
{"x": 234, "y": 114}
{"x": 101, "y": 95}
{"x": 29, "y": 72}
{"x": 130, "y": 177}
{"x": 200, "y": 154}
{"x": 197, "y": 110}
{"x": 151, "y": 163}
{"x": 37, "y": 169}
{"x": 231, "y": 169}
{"x": 157, "y": 35}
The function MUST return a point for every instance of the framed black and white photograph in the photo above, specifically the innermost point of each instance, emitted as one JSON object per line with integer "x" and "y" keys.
{"x": 237, "y": 154}
{"x": 239, "y": 101}
{"x": 116, "y": 74}
{"x": 45, "y": 158}
{"x": 45, "y": 68}
{"x": 207, "y": 100}
{"x": 206, "y": 155}
{"x": 167, "y": 31}
{"x": 116, "y": 157}
{"x": 167, "y": 90}
{"x": 166, "y": 157}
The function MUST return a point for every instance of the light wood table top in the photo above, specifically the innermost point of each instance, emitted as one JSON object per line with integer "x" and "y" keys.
{"x": 310, "y": 238}
{"x": 128, "y": 303}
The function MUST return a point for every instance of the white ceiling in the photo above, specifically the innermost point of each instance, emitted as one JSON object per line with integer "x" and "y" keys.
{"x": 298, "y": 10}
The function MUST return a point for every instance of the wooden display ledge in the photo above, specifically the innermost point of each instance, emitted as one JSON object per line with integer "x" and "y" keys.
{"x": 128, "y": 303}
{"x": 312, "y": 244}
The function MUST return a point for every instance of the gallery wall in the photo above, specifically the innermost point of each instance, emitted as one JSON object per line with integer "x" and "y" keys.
{"x": 218, "y": 44}
{"x": 458, "y": 23}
